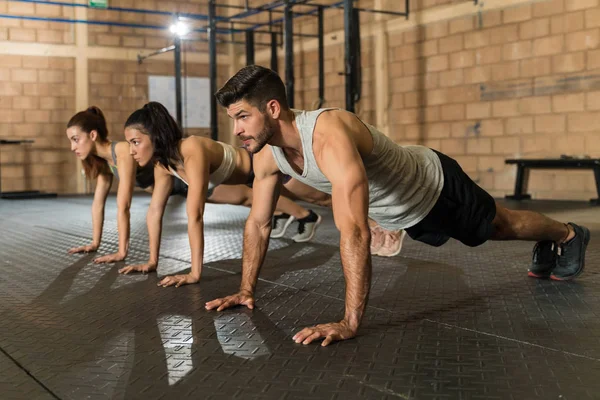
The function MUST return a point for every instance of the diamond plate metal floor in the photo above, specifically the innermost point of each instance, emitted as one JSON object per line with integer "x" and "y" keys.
{"x": 443, "y": 323}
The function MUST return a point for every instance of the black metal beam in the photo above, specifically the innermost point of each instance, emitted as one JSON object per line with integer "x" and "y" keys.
{"x": 356, "y": 66}
{"x": 178, "y": 97}
{"x": 253, "y": 11}
{"x": 221, "y": 41}
{"x": 232, "y": 23}
{"x": 312, "y": 13}
{"x": 288, "y": 39}
{"x": 212, "y": 55}
{"x": 281, "y": 33}
{"x": 269, "y": 32}
{"x": 349, "y": 54}
{"x": 245, "y": 7}
{"x": 320, "y": 27}
{"x": 274, "y": 56}
{"x": 249, "y": 47}
{"x": 369, "y": 10}
{"x": 253, "y": 26}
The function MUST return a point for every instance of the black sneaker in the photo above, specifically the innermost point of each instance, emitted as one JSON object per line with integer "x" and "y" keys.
{"x": 544, "y": 259}
{"x": 307, "y": 227}
{"x": 571, "y": 256}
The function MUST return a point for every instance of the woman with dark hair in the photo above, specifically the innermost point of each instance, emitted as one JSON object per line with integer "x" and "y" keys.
{"x": 215, "y": 172}
{"x": 102, "y": 159}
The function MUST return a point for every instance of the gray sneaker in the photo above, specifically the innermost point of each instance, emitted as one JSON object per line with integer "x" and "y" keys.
{"x": 280, "y": 224}
{"x": 543, "y": 260}
{"x": 571, "y": 255}
{"x": 307, "y": 227}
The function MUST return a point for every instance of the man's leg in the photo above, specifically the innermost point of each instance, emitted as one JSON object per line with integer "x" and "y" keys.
{"x": 528, "y": 225}
{"x": 560, "y": 251}
{"x": 468, "y": 213}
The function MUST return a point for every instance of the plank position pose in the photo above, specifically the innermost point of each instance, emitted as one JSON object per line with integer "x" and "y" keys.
{"x": 414, "y": 188}
{"x": 215, "y": 172}
{"x": 103, "y": 159}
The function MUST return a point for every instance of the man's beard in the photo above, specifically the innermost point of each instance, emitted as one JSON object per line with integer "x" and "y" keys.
{"x": 263, "y": 136}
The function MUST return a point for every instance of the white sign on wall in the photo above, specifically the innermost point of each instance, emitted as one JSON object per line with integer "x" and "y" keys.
{"x": 195, "y": 95}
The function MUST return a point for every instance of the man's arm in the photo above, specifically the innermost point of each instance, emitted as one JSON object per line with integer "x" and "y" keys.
{"x": 103, "y": 184}
{"x": 127, "y": 168}
{"x": 163, "y": 183}
{"x": 197, "y": 170}
{"x": 265, "y": 192}
{"x": 339, "y": 160}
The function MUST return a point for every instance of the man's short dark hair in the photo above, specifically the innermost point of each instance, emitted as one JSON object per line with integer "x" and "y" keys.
{"x": 255, "y": 84}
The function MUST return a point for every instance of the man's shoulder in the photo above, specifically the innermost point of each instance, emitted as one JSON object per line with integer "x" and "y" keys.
{"x": 264, "y": 161}
{"x": 331, "y": 125}
{"x": 265, "y": 154}
{"x": 333, "y": 118}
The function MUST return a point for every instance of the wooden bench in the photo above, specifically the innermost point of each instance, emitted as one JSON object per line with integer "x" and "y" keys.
{"x": 525, "y": 165}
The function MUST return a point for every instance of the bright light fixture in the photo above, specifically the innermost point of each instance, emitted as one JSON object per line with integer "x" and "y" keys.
{"x": 180, "y": 29}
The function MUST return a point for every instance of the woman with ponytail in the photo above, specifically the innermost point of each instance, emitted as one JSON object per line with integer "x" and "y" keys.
{"x": 102, "y": 159}
{"x": 215, "y": 172}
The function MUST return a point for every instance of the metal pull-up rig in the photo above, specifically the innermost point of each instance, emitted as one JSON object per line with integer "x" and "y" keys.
{"x": 351, "y": 36}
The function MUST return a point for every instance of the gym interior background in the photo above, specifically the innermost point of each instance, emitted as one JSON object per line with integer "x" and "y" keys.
{"x": 484, "y": 81}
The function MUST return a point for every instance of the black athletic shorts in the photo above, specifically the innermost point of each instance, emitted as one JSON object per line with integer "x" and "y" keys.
{"x": 464, "y": 211}
{"x": 250, "y": 181}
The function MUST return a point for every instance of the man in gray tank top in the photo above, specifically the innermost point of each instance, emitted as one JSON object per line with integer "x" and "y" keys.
{"x": 401, "y": 187}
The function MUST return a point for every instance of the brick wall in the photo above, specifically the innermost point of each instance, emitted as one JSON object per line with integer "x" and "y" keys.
{"x": 520, "y": 82}
{"x": 36, "y": 31}
{"x": 37, "y": 96}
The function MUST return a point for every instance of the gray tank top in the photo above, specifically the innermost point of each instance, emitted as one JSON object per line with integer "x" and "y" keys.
{"x": 404, "y": 181}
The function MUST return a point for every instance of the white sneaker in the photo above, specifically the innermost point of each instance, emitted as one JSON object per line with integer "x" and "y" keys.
{"x": 392, "y": 243}
{"x": 307, "y": 227}
{"x": 377, "y": 239}
{"x": 280, "y": 224}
